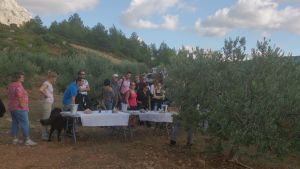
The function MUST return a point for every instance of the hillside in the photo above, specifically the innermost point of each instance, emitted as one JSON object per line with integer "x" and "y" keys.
{"x": 107, "y": 42}
{"x": 13, "y": 38}
{"x": 103, "y": 54}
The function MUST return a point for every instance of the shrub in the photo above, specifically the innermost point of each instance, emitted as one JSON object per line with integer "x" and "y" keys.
{"x": 247, "y": 102}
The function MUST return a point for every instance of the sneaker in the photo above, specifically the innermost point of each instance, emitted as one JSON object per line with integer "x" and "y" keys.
{"x": 29, "y": 142}
{"x": 17, "y": 141}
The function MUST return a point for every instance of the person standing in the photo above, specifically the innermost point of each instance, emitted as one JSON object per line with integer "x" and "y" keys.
{"x": 140, "y": 86}
{"x": 47, "y": 100}
{"x": 176, "y": 128}
{"x": 137, "y": 81}
{"x": 115, "y": 87}
{"x": 131, "y": 97}
{"x": 108, "y": 95}
{"x": 82, "y": 98}
{"x": 124, "y": 84}
{"x": 158, "y": 97}
{"x": 18, "y": 106}
{"x": 143, "y": 98}
{"x": 69, "y": 98}
{"x": 70, "y": 94}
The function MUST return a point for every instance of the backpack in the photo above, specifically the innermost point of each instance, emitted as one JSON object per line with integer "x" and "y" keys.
{"x": 2, "y": 108}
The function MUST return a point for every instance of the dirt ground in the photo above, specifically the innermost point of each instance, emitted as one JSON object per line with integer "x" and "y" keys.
{"x": 99, "y": 148}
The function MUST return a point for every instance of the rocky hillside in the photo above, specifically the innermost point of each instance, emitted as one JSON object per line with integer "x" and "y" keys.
{"x": 12, "y": 13}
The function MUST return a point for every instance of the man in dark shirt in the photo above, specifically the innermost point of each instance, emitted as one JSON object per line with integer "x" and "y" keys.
{"x": 143, "y": 98}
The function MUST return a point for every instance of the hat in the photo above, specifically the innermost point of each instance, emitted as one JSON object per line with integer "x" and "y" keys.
{"x": 115, "y": 75}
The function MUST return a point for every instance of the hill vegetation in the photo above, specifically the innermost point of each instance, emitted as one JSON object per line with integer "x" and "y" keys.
{"x": 56, "y": 39}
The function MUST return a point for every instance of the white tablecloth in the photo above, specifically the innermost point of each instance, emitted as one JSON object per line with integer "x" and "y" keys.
{"x": 154, "y": 116}
{"x": 105, "y": 118}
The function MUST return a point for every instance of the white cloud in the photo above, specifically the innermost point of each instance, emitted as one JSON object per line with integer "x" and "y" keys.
{"x": 141, "y": 13}
{"x": 288, "y": 1}
{"x": 259, "y": 15}
{"x": 170, "y": 22}
{"x": 54, "y": 7}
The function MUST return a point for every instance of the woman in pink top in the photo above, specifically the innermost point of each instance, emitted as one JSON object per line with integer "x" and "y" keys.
{"x": 131, "y": 97}
{"x": 18, "y": 106}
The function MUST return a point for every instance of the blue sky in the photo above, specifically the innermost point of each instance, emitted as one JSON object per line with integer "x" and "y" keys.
{"x": 190, "y": 23}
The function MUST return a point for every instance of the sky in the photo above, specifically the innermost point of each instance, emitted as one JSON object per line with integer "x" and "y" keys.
{"x": 189, "y": 23}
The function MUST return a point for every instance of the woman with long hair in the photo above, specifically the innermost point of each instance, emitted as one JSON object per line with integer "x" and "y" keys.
{"x": 131, "y": 97}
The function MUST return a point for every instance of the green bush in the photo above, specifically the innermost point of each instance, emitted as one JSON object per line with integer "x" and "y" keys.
{"x": 248, "y": 103}
{"x": 13, "y": 62}
{"x": 66, "y": 66}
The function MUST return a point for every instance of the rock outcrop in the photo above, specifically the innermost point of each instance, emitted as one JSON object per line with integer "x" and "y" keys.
{"x": 12, "y": 13}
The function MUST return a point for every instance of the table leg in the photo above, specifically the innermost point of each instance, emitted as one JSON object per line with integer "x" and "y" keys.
{"x": 74, "y": 130}
{"x": 124, "y": 132}
{"x": 66, "y": 127}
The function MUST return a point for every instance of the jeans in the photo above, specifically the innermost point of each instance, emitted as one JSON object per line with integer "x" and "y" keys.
{"x": 67, "y": 107}
{"x": 157, "y": 105}
{"x": 176, "y": 129}
{"x": 20, "y": 120}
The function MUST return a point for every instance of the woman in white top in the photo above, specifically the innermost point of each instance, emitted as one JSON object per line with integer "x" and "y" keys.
{"x": 47, "y": 100}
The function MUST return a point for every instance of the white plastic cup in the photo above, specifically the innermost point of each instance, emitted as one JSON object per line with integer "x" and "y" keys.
{"x": 165, "y": 107}
{"x": 155, "y": 107}
{"x": 74, "y": 108}
{"x": 123, "y": 107}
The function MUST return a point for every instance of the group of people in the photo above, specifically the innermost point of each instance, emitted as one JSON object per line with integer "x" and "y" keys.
{"x": 133, "y": 95}
{"x": 116, "y": 93}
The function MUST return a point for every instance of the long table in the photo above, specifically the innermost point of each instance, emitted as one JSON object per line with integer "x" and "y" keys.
{"x": 153, "y": 116}
{"x": 96, "y": 118}
{"x": 103, "y": 118}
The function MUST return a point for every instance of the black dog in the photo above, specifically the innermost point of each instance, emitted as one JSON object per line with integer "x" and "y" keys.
{"x": 56, "y": 121}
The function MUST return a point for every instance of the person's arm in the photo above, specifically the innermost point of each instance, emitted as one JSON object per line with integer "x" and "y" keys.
{"x": 19, "y": 93}
{"x": 43, "y": 90}
{"x": 86, "y": 88}
{"x": 127, "y": 94}
{"x": 139, "y": 97}
{"x": 149, "y": 101}
{"x": 74, "y": 91}
{"x": 112, "y": 92}
{"x": 152, "y": 89}
{"x": 73, "y": 99}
